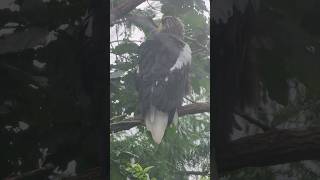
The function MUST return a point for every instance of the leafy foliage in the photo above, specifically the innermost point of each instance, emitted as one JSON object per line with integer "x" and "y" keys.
{"x": 42, "y": 101}
{"x": 138, "y": 172}
{"x": 286, "y": 44}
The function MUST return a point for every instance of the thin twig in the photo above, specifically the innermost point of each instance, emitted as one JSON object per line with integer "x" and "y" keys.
{"x": 152, "y": 6}
{"x": 190, "y": 100}
{"x": 124, "y": 40}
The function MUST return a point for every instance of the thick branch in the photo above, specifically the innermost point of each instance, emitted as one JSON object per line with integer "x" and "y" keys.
{"x": 184, "y": 110}
{"x": 122, "y": 9}
{"x": 270, "y": 148}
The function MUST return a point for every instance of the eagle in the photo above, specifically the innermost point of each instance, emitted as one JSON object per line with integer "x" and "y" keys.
{"x": 163, "y": 76}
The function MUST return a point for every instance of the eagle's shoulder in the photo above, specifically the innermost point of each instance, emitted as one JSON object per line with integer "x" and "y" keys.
{"x": 166, "y": 51}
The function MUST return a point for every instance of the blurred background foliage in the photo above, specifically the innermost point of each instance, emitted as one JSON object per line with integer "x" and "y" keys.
{"x": 43, "y": 106}
{"x": 286, "y": 45}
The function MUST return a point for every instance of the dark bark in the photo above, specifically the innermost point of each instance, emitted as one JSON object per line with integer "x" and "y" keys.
{"x": 271, "y": 148}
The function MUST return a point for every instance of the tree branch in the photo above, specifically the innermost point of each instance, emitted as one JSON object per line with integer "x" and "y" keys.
{"x": 135, "y": 121}
{"x": 122, "y": 9}
{"x": 271, "y": 148}
{"x": 152, "y": 6}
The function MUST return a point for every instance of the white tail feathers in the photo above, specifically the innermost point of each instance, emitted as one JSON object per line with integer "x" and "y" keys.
{"x": 156, "y": 122}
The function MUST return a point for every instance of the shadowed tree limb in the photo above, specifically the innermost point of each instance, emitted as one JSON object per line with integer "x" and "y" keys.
{"x": 271, "y": 148}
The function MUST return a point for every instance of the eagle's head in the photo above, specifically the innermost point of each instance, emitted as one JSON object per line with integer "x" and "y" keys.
{"x": 170, "y": 24}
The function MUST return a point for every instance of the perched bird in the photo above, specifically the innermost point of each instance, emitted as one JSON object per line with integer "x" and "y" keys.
{"x": 163, "y": 75}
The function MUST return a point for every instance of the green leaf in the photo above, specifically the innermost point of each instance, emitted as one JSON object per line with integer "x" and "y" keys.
{"x": 148, "y": 168}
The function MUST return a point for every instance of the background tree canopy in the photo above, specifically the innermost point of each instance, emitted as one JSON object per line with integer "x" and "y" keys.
{"x": 184, "y": 152}
{"x": 48, "y": 117}
{"x": 285, "y": 44}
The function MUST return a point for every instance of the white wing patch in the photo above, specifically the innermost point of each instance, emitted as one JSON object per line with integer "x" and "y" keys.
{"x": 183, "y": 59}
